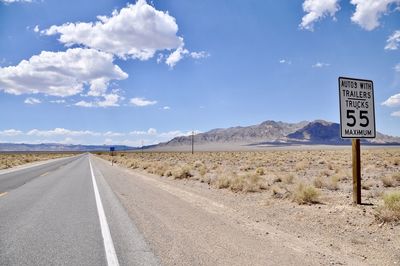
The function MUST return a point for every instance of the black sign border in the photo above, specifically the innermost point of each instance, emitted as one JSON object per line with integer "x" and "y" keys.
{"x": 340, "y": 109}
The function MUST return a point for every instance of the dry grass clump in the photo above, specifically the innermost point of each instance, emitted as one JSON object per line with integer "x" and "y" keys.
{"x": 181, "y": 173}
{"x": 390, "y": 211}
{"x": 332, "y": 183}
{"x": 240, "y": 183}
{"x": 388, "y": 181}
{"x": 306, "y": 194}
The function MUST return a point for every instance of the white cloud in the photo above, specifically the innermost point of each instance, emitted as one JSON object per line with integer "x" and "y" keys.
{"x": 392, "y": 101}
{"x": 316, "y": 10}
{"x": 393, "y": 41}
{"x": 397, "y": 68}
{"x": 166, "y": 108}
{"x": 10, "y": 133}
{"x": 61, "y": 73}
{"x": 284, "y": 61}
{"x": 396, "y": 114}
{"x": 150, "y": 131}
{"x": 320, "y": 65}
{"x": 109, "y": 100}
{"x": 36, "y": 29}
{"x": 15, "y": 1}
{"x": 176, "y": 56}
{"x": 368, "y": 12}
{"x": 142, "y": 102}
{"x": 199, "y": 55}
{"x": 113, "y": 134}
{"x": 32, "y": 100}
{"x": 136, "y": 31}
{"x": 61, "y": 132}
{"x": 58, "y": 101}
{"x": 67, "y": 136}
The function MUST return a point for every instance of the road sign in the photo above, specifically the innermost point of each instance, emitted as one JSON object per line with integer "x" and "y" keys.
{"x": 357, "y": 110}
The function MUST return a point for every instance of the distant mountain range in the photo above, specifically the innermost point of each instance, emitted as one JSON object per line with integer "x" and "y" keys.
{"x": 278, "y": 133}
{"x": 52, "y": 147}
{"x": 267, "y": 133}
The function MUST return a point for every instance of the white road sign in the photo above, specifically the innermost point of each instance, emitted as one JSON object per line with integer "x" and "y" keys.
{"x": 357, "y": 110}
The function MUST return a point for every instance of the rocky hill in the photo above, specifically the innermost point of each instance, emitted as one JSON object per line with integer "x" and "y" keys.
{"x": 272, "y": 132}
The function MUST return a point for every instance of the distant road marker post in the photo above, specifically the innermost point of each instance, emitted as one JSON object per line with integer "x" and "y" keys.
{"x": 357, "y": 121}
{"x": 112, "y": 149}
{"x": 192, "y": 142}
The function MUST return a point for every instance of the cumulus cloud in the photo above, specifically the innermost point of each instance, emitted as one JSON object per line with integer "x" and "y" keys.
{"x": 142, "y": 102}
{"x": 199, "y": 55}
{"x": 58, "y": 101}
{"x": 68, "y": 136}
{"x": 316, "y": 10}
{"x": 320, "y": 65}
{"x": 36, "y": 28}
{"x": 106, "y": 100}
{"x": 10, "y": 132}
{"x": 15, "y": 1}
{"x": 136, "y": 31}
{"x": 368, "y": 12}
{"x": 176, "y": 56}
{"x": 393, "y": 41}
{"x": 396, "y": 114}
{"x": 61, "y": 73}
{"x": 31, "y": 100}
{"x": 166, "y": 108}
{"x": 392, "y": 101}
{"x": 61, "y": 132}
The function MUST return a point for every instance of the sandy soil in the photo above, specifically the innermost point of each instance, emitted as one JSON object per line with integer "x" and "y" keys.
{"x": 192, "y": 222}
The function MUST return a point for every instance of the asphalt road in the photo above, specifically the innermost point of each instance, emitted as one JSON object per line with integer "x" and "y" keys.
{"x": 50, "y": 215}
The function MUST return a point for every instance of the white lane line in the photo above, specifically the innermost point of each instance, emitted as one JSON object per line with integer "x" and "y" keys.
{"x": 111, "y": 256}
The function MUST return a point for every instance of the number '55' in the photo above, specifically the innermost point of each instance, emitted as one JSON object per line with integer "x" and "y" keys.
{"x": 363, "y": 117}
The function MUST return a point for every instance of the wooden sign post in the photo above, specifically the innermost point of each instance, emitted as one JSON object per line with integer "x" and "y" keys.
{"x": 357, "y": 121}
{"x": 356, "y": 155}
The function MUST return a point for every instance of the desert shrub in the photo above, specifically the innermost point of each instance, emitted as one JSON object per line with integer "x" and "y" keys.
{"x": 396, "y": 176}
{"x": 181, "y": 173}
{"x": 222, "y": 182}
{"x": 331, "y": 184}
{"x": 390, "y": 211}
{"x": 318, "y": 182}
{"x": 280, "y": 193}
{"x": 288, "y": 179}
{"x": 203, "y": 170}
{"x": 246, "y": 183}
{"x": 306, "y": 194}
{"x": 260, "y": 171}
{"x": 387, "y": 181}
{"x": 301, "y": 166}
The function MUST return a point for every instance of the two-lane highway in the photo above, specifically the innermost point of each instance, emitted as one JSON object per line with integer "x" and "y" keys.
{"x": 64, "y": 213}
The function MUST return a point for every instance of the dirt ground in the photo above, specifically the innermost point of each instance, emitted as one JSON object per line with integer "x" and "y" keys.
{"x": 260, "y": 189}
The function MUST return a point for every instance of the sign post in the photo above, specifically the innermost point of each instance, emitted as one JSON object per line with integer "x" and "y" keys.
{"x": 357, "y": 121}
{"x": 112, "y": 149}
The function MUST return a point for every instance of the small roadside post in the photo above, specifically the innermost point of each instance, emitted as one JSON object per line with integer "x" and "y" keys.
{"x": 192, "y": 142}
{"x": 112, "y": 149}
{"x": 357, "y": 121}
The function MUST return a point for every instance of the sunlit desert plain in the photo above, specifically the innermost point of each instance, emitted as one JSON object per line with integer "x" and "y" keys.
{"x": 307, "y": 193}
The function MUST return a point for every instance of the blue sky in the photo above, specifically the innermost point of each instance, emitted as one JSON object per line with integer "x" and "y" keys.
{"x": 118, "y": 72}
